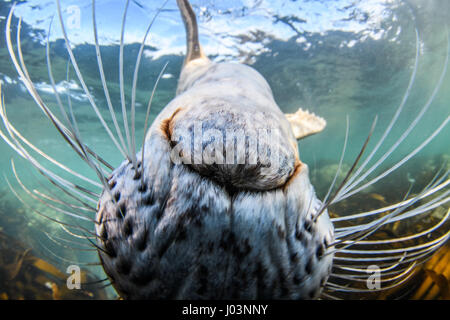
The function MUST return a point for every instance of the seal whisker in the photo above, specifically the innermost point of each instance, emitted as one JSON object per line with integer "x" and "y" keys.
{"x": 135, "y": 78}
{"x": 329, "y": 296}
{"x": 395, "y": 117}
{"x": 77, "y": 134}
{"x": 363, "y": 278}
{"x": 68, "y": 241}
{"x": 29, "y": 85}
{"x": 54, "y": 239}
{"x": 350, "y": 190}
{"x": 37, "y": 211}
{"x": 70, "y": 194}
{"x": 430, "y": 192}
{"x": 422, "y": 209}
{"x": 341, "y": 235}
{"x": 386, "y": 255}
{"x": 350, "y": 171}
{"x": 91, "y": 283}
{"x": 79, "y": 263}
{"x": 401, "y": 162}
{"x": 121, "y": 85}
{"x": 74, "y": 132}
{"x": 340, "y": 161}
{"x": 409, "y": 257}
{"x": 386, "y": 252}
{"x": 21, "y": 69}
{"x": 45, "y": 172}
{"x": 64, "y": 203}
{"x": 368, "y": 229}
{"x": 431, "y": 204}
{"x": 363, "y": 271}
{"x": 46, "y": 203}
{"x": 59, "y": 222}
{"x": 406, "y": 238}
{"x": 75, "y": 235}
{"x": 406, "y": 276}
{"x": 83, "y": 84}
{"x": 52, "y": 82}
{"x": 39, "y": 151}
{"x": 103, "y": 78}
{"x": 147, "y": 115}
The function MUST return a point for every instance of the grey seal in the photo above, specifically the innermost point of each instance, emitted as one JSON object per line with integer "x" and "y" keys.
{"x": 217, "y": 204}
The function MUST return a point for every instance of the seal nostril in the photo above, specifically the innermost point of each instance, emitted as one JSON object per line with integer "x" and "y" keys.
{"x": 117, "y": 196}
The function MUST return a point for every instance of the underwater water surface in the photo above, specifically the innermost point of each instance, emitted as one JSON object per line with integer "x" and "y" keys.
{"x": 339, "y": 59}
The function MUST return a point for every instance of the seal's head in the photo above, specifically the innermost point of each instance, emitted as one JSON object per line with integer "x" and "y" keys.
{"x": 214, "y": 209}
{"x": 218, "y": 204}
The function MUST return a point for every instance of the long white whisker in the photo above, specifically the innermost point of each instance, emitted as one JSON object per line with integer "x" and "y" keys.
{"x": 400, "y": 163}
{"x": 363, "y": 231}
{"x": 45, "y": 172}
{"x": 355, "y": 163}
{"x": 135, "y": 78}
{"x": 394, "y": 206}
{"x": 406, "y": 238}
{"x": 83, "y": 84}
{"x": 75, "y": 235}
{"x": 337, "y": 287}
{"x": 122, "y": 89}
{"x": 394, "y": 118}
{"x": 37, "y": 211}
{"x": 147, "y": 115}
{"x": 347, "y": 192}
{"x": 74, "y": 133}
{"x": 340, "y": 162}
{"x": 59, "y": 242}
{"x": 364, "y": 270}
{"x": 68, "y": 213}
{"x": 64, "y": 203}
{"x": 64, "y": 259}
{"x": 103, "y": 78}
{"x": 369, "y": 228}
{"x": 23, "y": 73}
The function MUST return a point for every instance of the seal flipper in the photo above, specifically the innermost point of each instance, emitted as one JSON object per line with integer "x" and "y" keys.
{"x": 305, "y": 123}
{"x": 194, "y": 50}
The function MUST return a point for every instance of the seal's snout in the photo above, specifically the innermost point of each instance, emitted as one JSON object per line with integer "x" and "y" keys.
{"x": 231, "y": 145}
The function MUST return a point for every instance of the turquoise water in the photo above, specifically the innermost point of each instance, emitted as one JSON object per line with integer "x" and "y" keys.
{"x": 334, "y": 58}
